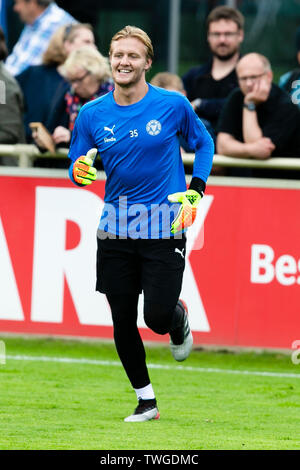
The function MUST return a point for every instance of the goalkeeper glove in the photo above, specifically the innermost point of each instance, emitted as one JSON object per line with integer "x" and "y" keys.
{"x": 187, "y": 212}
{"x": 83, "y": 170}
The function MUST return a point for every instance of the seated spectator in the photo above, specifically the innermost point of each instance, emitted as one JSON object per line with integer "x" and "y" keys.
{"x": 89, "y": 74}
{"x": 290, "y": 81}
{"x": 172, "y": 82}
{"x": 11, "y": 107}
{"x": 258, "y": 119}
{"x": 44, "y": 85}
{"x": 208, "y": 85}
{"x": 42, "y": 18}
{"x": 168, "y": 81}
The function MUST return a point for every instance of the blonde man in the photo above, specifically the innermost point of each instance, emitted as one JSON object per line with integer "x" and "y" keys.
{"x": 135, "y": 129}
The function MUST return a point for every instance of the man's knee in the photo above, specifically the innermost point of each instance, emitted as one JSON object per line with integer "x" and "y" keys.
{"x": 158, "y": 317}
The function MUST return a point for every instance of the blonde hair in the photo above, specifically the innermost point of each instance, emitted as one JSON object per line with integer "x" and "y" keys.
{"x": 168, "y": 80}
{"x": 134, "y": 32}
{"x": 88, "y": 58}
{"x": 55, "y": 53}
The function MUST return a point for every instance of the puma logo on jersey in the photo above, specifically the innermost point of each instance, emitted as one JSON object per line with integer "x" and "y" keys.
{"x": 111, "y": 130}
{"x": 180, "y": 252}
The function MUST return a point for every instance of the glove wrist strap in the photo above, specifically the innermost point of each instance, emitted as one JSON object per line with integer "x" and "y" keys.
{"x": 197, "y": 184}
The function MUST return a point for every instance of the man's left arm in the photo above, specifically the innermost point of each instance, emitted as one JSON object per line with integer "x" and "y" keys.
{"x": 198, "y": 139}
{"x": 251, "y": 128}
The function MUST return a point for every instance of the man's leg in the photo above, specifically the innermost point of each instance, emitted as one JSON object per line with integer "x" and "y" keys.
{"x": 163, "y": 267}
{"x": 118, "y": 276}
{"x": 132, "y": 354}
{"x": 162, "y": 319}
{"x": 127, "y": 338}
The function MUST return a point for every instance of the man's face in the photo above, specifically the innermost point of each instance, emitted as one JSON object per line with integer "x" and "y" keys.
{"x": 224, "y": 38}
{"x": 27, "y": 11}
{"x": 129, "y": 62}
{"x": 251, "y": 73}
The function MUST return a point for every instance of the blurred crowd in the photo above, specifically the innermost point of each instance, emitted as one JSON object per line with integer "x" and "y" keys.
{"x": 55, "y": 68}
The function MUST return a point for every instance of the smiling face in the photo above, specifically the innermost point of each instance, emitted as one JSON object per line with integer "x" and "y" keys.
{"x": 129, "y": 62}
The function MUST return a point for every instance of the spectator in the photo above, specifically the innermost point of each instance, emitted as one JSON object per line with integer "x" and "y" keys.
{"x": 168, "y": 81}
{"x": 208, "y": 85}
{"x": 258, "y": 120}
{"x": 172, "y": 82}
{"x": 42, "y": 18}
{"x": 48, "y": 78}
{"x": 290, "y": 81}
{"x": 89, "y": 74}
{"x": 11, "y": 106}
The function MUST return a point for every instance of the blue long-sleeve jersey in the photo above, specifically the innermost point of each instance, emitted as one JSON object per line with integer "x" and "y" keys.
{"x": 140, "y": 150}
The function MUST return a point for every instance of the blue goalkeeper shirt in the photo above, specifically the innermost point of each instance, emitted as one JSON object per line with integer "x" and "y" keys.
{"x": 140, "y": 150}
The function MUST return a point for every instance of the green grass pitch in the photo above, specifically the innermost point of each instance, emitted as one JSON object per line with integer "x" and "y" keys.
{"x": 213, "y": 400}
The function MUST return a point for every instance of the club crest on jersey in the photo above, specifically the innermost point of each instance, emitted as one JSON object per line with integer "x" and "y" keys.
{"x": 153, "y": 127}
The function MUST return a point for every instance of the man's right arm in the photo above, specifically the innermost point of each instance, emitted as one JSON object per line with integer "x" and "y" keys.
{"x": 230, "y": 138}
{"x": 231, "y": 147}
{"x": 81, "y": 143}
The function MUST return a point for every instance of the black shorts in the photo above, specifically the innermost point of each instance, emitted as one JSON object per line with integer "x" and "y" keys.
{"x": 127, "y": 266}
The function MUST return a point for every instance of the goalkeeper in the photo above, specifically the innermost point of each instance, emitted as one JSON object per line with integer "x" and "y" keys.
{"x": 135, "y": 128}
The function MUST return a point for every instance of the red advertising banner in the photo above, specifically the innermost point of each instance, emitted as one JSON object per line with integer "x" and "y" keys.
{"x": 241, "y": 282}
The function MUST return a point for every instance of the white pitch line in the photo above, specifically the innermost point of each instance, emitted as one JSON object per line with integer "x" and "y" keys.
{"x": 70, "y": 360}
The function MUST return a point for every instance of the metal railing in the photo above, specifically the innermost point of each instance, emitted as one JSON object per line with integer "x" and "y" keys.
{"x": 26, "y": 153}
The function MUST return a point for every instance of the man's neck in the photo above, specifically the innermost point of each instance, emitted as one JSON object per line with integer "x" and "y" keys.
{"x": 221, "y": 68}
{"x": 126, "y": 96}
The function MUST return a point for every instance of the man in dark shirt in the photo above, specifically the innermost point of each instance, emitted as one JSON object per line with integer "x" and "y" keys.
{"x": 208, "y": 86}
{"x": 258, "y": 120}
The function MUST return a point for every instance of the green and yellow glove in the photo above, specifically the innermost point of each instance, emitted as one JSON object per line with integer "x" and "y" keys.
{"x": 187, "y": 212}
{"x": 83, "y": 170}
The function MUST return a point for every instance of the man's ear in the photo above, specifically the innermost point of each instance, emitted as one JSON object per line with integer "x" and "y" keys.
{"x": 148, "y": 64}
{"x": 241, "y": 36}
{"x": 270, "y": 75}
